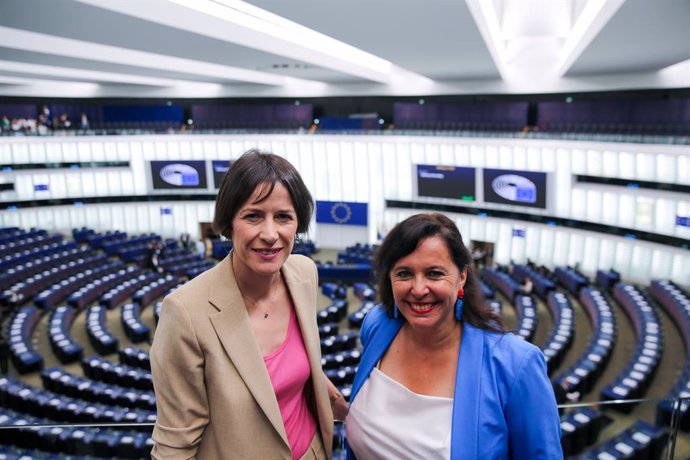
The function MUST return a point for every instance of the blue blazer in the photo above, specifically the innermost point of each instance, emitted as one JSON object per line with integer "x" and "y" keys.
{"x": 504, "y": 405}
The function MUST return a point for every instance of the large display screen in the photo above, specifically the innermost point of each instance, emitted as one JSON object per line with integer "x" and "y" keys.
{"x": 220, "y": 167}
{"x": 522, "y": 188}
{"x": 446, "y": 182}
{"x": 178, "y": 174}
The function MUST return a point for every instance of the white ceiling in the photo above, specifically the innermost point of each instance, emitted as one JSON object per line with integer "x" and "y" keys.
{"x": 302, "y": 48}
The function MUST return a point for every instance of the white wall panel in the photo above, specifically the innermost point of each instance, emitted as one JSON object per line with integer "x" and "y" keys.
{"x": 37, "y": 153}
{"x": 626, "y": 165}
{"x": 372, "y": 169}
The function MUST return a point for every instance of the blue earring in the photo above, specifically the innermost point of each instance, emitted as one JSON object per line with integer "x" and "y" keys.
{"x": 396, "y": 312}
{"x": 459, "y": 305}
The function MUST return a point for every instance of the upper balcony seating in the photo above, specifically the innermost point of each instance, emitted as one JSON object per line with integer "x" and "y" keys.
{"x": 633, "y": 381}
{"x": 580, "y": 377}
{"x": 561, "y": 336}
{"x": 103, "y": 341}
{"x": 22, "y": 352}
{"x": 676, "y": 303}
{"x": 61, "y": 341}
{"x": 65, "y": 383}
{"x": 527, "y": 316}
{"x": 542, "y": 284}
{"x": 571, "y": 279}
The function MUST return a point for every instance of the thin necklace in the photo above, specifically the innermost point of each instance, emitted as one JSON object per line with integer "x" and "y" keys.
{"x": 255, "y": 302}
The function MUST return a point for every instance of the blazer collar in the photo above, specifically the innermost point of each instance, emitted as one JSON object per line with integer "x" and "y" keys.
{"x": 234, "y": 330}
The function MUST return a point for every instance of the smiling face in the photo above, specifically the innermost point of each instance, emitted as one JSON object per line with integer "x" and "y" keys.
{"x": 263, "y": 231}
{"x": 425, "y": 284}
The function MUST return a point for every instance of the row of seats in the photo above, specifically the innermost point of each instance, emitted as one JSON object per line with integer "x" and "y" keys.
{"x": 581, "y": 376}
{"x": 63, "y": 288}
{"x": 97, "y": 240}
{"x": 640, "y": 441}
{"x": 45, "y": 279}
{"x": 542, "y": 285}
{"x": 526, "y": 310}
{"x": 501, "y": 281}
{"x": 10, "y": 234}
{"x": 134, "y": 328}
{"x": 103, "y": 370}
{"x": 634, "y": 379}
{"x": 570, "y": 279}
{"x": 24, "y": 398}
{"x": 61, "y": 341}
{"x": 61, "y": 442}
{"x": 20, "y": 272}
{"x": 21, "y": 257}
{"x": 117, "y": 294}
{"x": 90, "y": 292}
{"x": 26, "y": 244}
{"x": 102, "y": 340}
{"x": 561, "y": 336}
{"x": 676, "y": 303}
{"x": 62, "y": 382}
{"x": 25, "y": 357}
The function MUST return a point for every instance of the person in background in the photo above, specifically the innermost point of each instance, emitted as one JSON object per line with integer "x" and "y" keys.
{"x": 84, "y": 122}
{"x": 236, "y": 359}
{"x": 439, "y": 377}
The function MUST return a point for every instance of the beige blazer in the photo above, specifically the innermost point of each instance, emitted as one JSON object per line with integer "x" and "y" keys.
{"x": 214, "y": 396}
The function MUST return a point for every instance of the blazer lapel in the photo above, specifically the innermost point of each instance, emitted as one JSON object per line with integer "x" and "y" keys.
{"x": 234, "y": 330}
{"x": 468, "y": 388}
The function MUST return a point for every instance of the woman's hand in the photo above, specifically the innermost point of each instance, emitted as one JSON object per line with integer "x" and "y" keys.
{"x": 338, "y": 404}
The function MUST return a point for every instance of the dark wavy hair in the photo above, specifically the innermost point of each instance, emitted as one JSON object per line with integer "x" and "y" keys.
{"x": 405, "y": 237}
{"x": 252, "y": 169}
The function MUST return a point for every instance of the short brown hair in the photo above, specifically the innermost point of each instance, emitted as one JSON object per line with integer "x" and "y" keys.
{"x": 249, "y": 171}
{"x": 404, "y": 239}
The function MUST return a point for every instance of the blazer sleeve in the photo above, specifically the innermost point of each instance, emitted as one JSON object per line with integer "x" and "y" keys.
{"x": 534, "y": 428}
{"x": 177, "y": 368}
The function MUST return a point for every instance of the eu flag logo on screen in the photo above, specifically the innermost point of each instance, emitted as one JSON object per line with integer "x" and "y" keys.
{"x": 341, "y": 213}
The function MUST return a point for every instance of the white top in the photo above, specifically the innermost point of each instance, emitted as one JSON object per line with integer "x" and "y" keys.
{"x": 386, "y": 420}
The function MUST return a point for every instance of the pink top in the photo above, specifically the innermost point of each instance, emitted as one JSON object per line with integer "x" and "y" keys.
{"x": 288, "y": 368}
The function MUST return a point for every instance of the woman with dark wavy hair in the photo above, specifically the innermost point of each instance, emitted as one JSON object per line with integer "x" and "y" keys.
{"x": 439, "y": 376}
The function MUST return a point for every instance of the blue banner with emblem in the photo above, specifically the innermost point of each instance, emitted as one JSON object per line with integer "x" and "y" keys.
{"x": 341, "y": 213}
